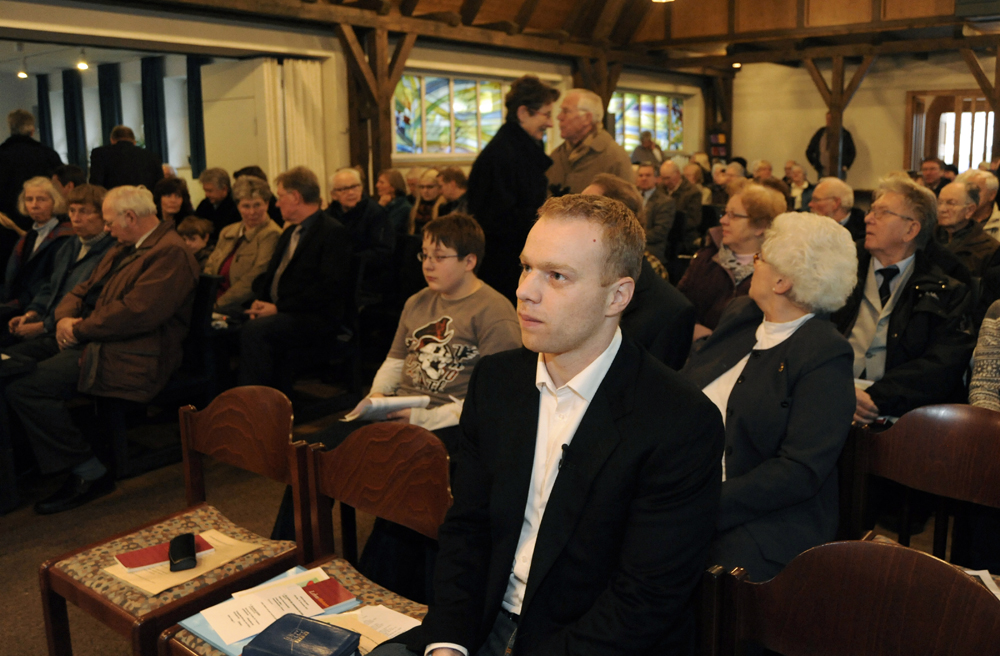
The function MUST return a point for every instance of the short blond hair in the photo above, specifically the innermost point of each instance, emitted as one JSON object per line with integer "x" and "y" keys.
{"x": 128, "y": 198}
{"x": 58, "y": 201}
{"x": 623, "y": 236}
{"x": 762, "y": 204}
{"x": 817, "y": 254}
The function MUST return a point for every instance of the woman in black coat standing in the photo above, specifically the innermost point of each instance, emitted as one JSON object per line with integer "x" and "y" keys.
{"x": 782, "y": 377}
{"x": 507, "y": 183}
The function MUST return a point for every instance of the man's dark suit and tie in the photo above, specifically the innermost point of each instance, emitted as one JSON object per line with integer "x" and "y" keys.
{"x": 588, "y": 480}
{"x": 124, "y": 163}
{"x": 301, "y": 297}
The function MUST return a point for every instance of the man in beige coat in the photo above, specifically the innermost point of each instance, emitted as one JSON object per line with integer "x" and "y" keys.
{"x": 587, "y": 148}
{"x": 118, "y": 334}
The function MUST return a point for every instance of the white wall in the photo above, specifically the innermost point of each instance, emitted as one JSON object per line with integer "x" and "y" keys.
{"x": 776, "y": 110}
{"x": 17, "y": 94}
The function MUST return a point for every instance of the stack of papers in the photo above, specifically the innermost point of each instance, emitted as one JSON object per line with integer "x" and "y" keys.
{"x": 376, "y": 624}
{"x": 231, "y": 625}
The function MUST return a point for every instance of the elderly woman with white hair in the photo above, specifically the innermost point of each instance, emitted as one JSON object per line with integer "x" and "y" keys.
{"x": 781, "y": 375}
{"x": 31, "y": 261}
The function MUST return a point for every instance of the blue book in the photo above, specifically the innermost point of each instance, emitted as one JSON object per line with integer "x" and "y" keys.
{"x": 295, "y": 635}
{"x": 198, "y": 625}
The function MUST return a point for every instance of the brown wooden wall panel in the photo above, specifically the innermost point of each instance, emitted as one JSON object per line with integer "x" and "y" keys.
{"x": 654, "y": 27}
{"x": 765, "y": 15}
{"x": 702, "y": 18}
{"x": 899, "y": 9}
{"x": 823, "y": 13}
{"x": 433, "y": 6}
{"x": 494, "y": 11}
{"x": 551, "y": 14}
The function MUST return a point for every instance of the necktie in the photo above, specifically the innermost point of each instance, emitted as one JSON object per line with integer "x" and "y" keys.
{"x": 285, "y": 259}
{"x": 888, "y": 273}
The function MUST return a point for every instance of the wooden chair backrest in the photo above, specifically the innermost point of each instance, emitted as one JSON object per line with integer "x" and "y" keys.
{"x": 949, "y": 450}
{"x": 247, "y": 427}
{"x": 863, "y": 599}
{"x": 398, "y": 472}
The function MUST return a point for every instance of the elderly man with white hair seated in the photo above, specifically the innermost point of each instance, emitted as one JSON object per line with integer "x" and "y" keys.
{"x": 834, "y": 198}
{"x": 363, "y": 217}
{"x": 587, "y": 149}
{"x": 986, "y": 212}
{"x": 118, "y": 334}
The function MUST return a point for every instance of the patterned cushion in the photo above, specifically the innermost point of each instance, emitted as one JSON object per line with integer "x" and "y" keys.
{"x": 368, "y": 593}
{"x": 87, "y": 566}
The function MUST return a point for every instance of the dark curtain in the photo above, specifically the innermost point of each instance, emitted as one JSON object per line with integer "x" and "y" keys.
{"x": 196, "y": 114}
{"x": 109, "y": 87}
{"x": 44, "y": 111}
{"x": 154, "y": 112}
{"x": 76, "y": 135}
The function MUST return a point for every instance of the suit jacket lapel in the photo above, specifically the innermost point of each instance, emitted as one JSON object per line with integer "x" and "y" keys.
{"x": 594, "y": 441}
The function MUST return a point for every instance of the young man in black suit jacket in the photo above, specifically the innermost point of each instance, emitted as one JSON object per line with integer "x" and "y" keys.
{"x": 589, "y": 475}
{"x": 301, "y": 297}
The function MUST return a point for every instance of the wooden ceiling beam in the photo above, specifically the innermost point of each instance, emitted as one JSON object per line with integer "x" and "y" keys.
{"x": 407, "y": 7}
{"x": 361, "y": 66}
{"x": 607, "y": 20}
{"x": 859, "y": 76}
{"x": 630, "y": 20}
{"x": 525, "y": 13}
{"x": 826, "y": 52}
{"x": 798, "y": 34}
{"x": 469, "y": 11}
{"x": 819, "y": 81}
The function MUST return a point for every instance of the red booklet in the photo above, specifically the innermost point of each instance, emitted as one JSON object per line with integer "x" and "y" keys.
{"x": 158, "y": 554}
{"x": 328, "y": 593}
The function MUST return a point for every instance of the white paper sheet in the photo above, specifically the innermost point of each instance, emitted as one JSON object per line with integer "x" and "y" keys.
{"x": 376, "y": 408}
{"x": 376, "y": 624}
{"x": 241, "y": 618}
{"x": 984, "y": 576}
{"x": 155, "y": 580}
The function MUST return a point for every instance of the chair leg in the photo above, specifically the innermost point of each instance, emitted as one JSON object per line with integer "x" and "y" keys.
{"x": 904, "y": 520}
{"x": 349, "y": 533}
{"x": 144, "y": 637}
{"x": 56, "y": 618}
{"x": 940, "y": 531}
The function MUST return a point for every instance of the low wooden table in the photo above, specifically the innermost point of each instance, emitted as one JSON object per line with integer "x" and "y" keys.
{"x": 177, "y": 641}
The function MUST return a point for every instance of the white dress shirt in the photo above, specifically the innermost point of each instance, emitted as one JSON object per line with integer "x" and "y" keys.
{"x": 769, "y": 335}
{"x": 43, "y": 231}
{"x": 560, "y": 410}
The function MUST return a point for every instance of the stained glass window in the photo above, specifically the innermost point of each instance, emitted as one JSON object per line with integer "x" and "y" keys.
{"x": 662, "y": 115}
{"x": 409, "y": 116}
{"x": 437, "y": 114}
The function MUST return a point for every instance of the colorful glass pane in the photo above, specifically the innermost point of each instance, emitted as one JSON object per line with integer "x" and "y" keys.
{"x": 615, "y": 109}
{"x": 632, "y": 121}
{"x": 490, "y": 111}
{"x": 464, "y": 109}
{"x": 437, "y": 96}
{"x": 409, "y": 115}
{"x": 675, "y": 123}
{"x": 662, "y": 132}
{"x": 647, "y": 113}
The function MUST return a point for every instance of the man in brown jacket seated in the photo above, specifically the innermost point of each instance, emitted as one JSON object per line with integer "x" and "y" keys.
{"x": 118, "y": 334}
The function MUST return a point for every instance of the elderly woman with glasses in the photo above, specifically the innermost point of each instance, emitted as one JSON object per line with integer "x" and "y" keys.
{"x": 781, "y": 376}
{"x": 244, "y": 249}
{"x": 721, "y": 271}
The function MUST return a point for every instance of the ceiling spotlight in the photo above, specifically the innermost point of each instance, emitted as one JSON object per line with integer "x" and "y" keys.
{"x": 82, "y": 64}
{"x": 737, "y": 65}
{"x": 662, "y": 1}
{"x": 23, "y": 71}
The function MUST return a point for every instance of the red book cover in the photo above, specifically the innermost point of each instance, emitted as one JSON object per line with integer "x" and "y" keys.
{"x": 158, "y": 554}
{"x": 328, "y": 593}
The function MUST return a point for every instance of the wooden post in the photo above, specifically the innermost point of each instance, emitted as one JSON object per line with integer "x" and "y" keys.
{"x": 991, "y": 91}
{"x": 370, "y": 93}
{"x": 837, "y": 97}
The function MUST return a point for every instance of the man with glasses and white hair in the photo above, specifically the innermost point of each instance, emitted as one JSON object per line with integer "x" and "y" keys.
{"x": 834, "y": 198}
{"x": 363, "y": 217}
{"x": 907, "y": 320}
{"x": 118, "y": 334}
{"x": 587, "y": 148}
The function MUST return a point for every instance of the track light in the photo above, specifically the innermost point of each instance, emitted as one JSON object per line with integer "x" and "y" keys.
{"x": 23, "y": 71}
{"x": 662, "y": 1}
{"x": 82, "y": 64}
{"x": 737, "y": 65}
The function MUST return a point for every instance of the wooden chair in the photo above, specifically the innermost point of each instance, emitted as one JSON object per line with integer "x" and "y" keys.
{"x": 952, "y": 451}
{"x": 861, "y": 599}
{"x": 247, "y": 427}
{"x": 395, "y": 471}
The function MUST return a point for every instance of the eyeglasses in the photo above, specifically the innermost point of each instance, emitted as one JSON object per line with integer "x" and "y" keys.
{"x": 822, "y": 198}
{"x": 427, "y": 187}
{"x": 951, "y": 204}
{"x": 734, "y": 215}
{"x": 356, "y": 185}
{"x": 434, "y": 259}
{"x": 880, "y": 213}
